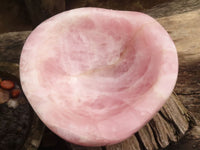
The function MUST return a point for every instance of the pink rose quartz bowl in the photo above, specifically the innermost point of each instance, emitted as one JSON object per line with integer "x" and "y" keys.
{"x": 96, "y": 76}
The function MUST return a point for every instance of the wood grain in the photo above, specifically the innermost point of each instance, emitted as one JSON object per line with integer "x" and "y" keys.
{"x": 185, "y": 31}
{"x": 168, "y": 126}
{"x": 174, "y": 7}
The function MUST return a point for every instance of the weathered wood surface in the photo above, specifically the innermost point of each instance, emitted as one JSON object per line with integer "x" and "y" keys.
{"x": 173, "y": 8}
{"x": 174, "y": 120}
{"x": 191, "y": 141}
{"x": 185, "y": 31}
{"x": 168, "y": 126}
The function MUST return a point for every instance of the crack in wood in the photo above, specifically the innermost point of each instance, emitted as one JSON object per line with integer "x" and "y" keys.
{"x": 190, "y": 94}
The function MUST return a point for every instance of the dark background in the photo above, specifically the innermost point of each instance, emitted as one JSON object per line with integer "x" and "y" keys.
{"x": 21, "y": 15}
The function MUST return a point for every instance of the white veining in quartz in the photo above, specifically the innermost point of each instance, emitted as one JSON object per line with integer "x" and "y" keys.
{"x": 96, "y": 76}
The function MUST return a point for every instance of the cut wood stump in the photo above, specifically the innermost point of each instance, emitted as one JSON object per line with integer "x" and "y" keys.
{"x": 176, "y": 125}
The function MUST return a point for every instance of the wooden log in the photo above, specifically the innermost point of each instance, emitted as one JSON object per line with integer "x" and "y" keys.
{"x": 185, "y": 31}
{"x": 168, "y": 126}
{"x": 11, "y": 45}
{"x": 191, "y": 141}
{"x": 173, "y": 7}
{"x": 174, "y": 120}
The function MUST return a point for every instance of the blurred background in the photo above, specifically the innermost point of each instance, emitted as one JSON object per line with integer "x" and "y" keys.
{"x": 21, "y": 15}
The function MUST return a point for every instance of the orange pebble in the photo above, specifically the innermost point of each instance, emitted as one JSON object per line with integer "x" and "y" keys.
{"x": 7, "y": 84}
{"x": 15, "y": 93}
